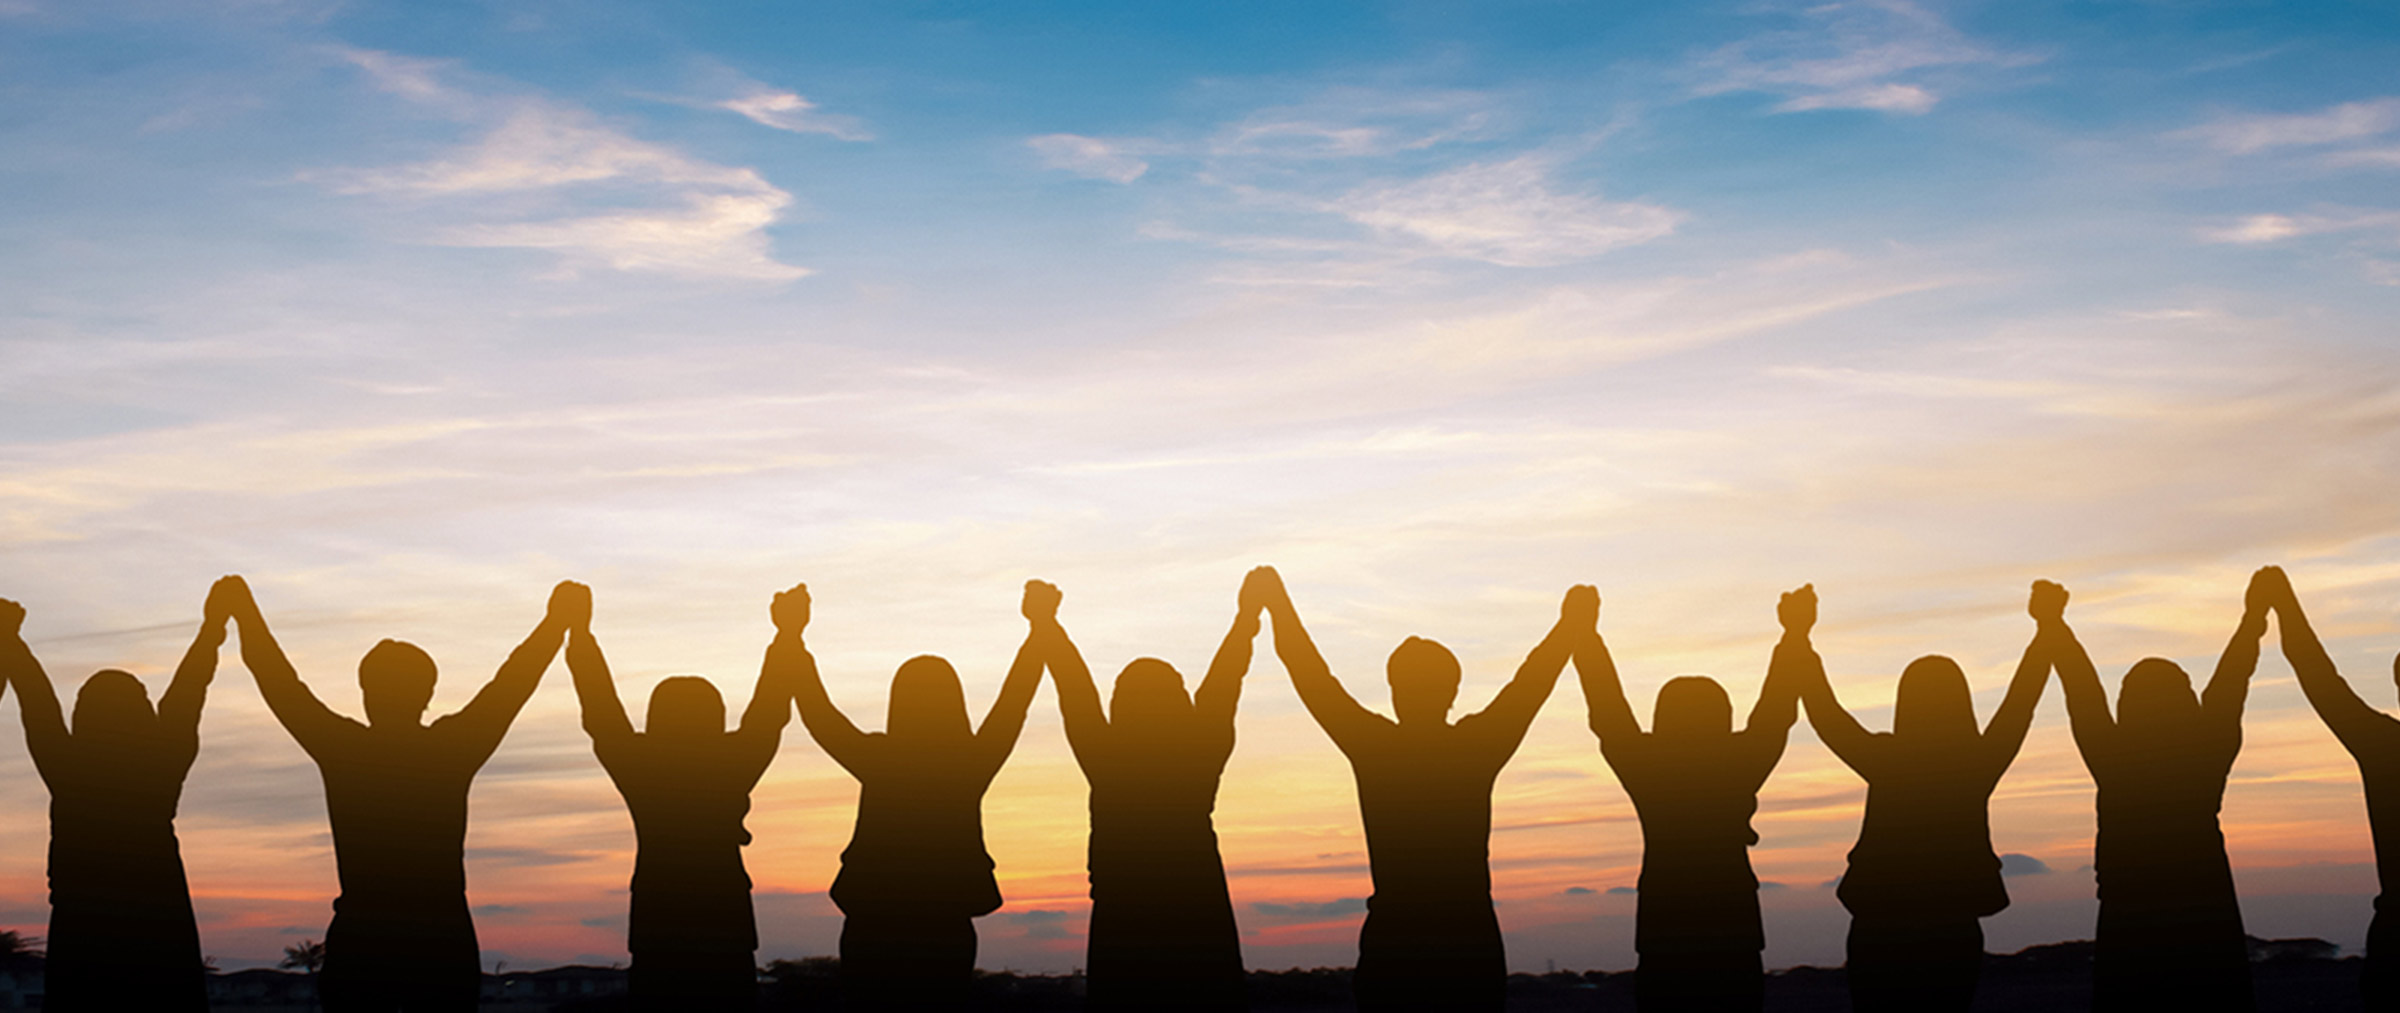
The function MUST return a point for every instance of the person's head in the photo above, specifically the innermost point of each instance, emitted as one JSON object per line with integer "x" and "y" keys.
{"x": 685, "y": 707}
{"x": 1424, "y": 678}
{"x": 1149, "y": 696}
{"x": 396, "y": 681}
{"x": 1934, "y": 702}
{"x": 928, "y": 704}
{"x": 2156, "y": 696}
{"x": 112, "y": 705}
{"x": 1692, "y": 707}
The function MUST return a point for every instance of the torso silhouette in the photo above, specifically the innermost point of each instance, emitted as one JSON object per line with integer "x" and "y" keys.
{"x": 1160, "y": 908}
{"x": 121, "y": 925}
{"x": 689, "y": 801}
{"x": 1697, "y": 892}
{"x": 1925, "y": 846}
{"x": 397, "y": 800}
{"x": 918, "y": 845}
{"x": 2159, "y": 844}
{"x": 1425, "y": 796}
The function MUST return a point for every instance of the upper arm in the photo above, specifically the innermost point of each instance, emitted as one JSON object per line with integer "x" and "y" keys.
{"x": 1835, "y": 725}
{"x": 1770, "y": 726}
{"x": 604, "y": 716}
{"x": 2229, "y": 688}
{"x": 1604, "y": 694}
{"x": 2005, "y": 735}
{"x": 1511, "y": 713}
{"x": 312, "y": 724}
{"x": 37, "y": 707}
{"x": 1344, "y": 720}
{"x": 1221, "y": 690}
{"x": 1078, "y": 697}
{"x": 760, "y": 733}
{"x": 997, "y": 736}
{"x": 2087, "y": 704}
{"x": 825, "y": 722}
{"x": 484, "y": 721}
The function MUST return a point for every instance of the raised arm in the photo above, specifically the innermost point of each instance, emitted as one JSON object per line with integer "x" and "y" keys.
{"x": 1344, "y": 721}
{"x": 2087, "y": 704}
{"x": 1078, "y": 697}
{"x": 1221, "y": 690}
{"x": 484, "y": 721}
{"x": 2356, "y": 724}
{"x": 179, "y": 707}
{"x": 1604, "y": 695}
{"x": 1835, "y": 726}
{"x": 997, "y": 736}
{"x": 596, "y": 690}
{"x": 2005, "y": 735}
{"x": 37, "y": 702}
{"x": 310, "y": 722}
{"x": 1778, "y": 708}
{"x": 1503, "y": 723}
{"x": 761, "y": 732}
{"x": 825, "y": 722}
{"x": 2221, "y": 703}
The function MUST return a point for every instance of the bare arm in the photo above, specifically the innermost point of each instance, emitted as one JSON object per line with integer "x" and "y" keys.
{"x": 179, "y": 707}
{"x": 2352, "y": 721}
{"x": 1771, "y": 718}
{"x": 37, "y": 702}
{"x": 1078, "y": 697}
{"x": 760, "y": 734}
{"x": 2005, "y": 735}
{"x": 2221, "y": 703}
{"x": 1835, "y": 726}
{"x": 997, "y": 737}
{"x": 2087, "y": 704}
{"x": 1512, "y": 711}
{"x": 596, "y": 690}
{"x": 1221, "y": 690}
{"x": 484, "y": 721}
{"x": 825, "y": 722}
{"x": 1344, "y": 721}
{"x": 310, "y": 722}
{"x": 1604, "y": 695}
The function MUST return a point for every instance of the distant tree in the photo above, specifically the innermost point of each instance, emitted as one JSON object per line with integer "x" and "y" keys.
{"x": 19, "y": 950}
{"x": 308, "y": 957}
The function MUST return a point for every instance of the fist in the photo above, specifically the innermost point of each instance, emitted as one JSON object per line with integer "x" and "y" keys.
{"x": 1581, "y": 609}
{"x": 227, "y": 598}
{"x": 12, "y": 617}
{"x": 1797, "y": 610}
{"x": 2269, "y": 588}
{"x": 2048, "y": 603}
{"x": 571, "y": 605}
{"x": 790, "y": 610}
{"x": 1041, "y": 601}
{"x": 1261, "y": 589}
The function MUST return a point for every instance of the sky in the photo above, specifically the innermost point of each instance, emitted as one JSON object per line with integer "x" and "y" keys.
{"x": 407, "y": 311}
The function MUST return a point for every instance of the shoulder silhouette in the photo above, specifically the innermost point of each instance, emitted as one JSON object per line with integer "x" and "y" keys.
{"x": 1924, "y": 871}
{"x": 2170, "y": 933}
{"x": 686, "y": 780}
{"x": 1431, "y": 939}
{"x": 916, "y": 874}
{"x": 1694, "y": 783}
{"x": 122, "y": 934}
{"x": 1162, "y": 929}
{"x": 396, "y": 795}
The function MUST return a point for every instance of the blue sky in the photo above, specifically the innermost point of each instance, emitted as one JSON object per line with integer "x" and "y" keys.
{"x": 406, "y": 311}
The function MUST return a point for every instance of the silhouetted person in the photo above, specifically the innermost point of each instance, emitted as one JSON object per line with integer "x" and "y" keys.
{"x": 2373, "y": 739}
{"x": 396, "y": 795}
{"x": 1924, "y": 872}
{"x": 1694, "y": 782}
{"x": 1162, "y": 932}
{"x": 915, "y": 875}
{"x": 687, "y": 781}
{"x": 122, "y": 935}
{"x": 1431, "y": 940}
{"x": 2170, "y": 934}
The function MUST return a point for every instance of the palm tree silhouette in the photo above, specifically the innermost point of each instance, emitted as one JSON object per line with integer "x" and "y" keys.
{"x": 306, "y": 957}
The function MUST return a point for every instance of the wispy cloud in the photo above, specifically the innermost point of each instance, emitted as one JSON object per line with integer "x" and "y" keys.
{"x": 1857, "y": 54}
{"x": 2269, "y": 228}
{"x": 786, "y": 110}
{"x": 666, "y": 211}
{"x": 1089, "y": 157}
{"x": 1507, "y": 213}
{"x": 2349, "y": 121}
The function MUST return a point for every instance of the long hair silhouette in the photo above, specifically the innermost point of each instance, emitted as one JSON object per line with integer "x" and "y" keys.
{"x": 1694, "y": 782}
{"x": 1162, "y": 930}
{"x": 122, "y": 932}
{"x": 686, "y": 781}
{"x": 1924, "y": 872}
{"x": 1431, "y": 940}
{"x": 402, "y": 937}
{"x": 2170, "y": 933}
{"x": 916, "y": 875}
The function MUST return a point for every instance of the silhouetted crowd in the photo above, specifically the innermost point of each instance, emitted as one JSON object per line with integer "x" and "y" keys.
{"x": 1162, "y": 935}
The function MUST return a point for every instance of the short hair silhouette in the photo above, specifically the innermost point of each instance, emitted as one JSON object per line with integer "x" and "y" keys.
{"x": 2170, "y": 933}
{"x": 396, "y": 795}
{"x": 1694, "y": 783}
{"x": 1162, "y": 931}
{"x": 1924, "y": 873}
{"x": 1431, "y": 939}
{"x": 2373, "y": 739}
{"x": 686, "y": 781}
{"x": 916, "y": 874}
{"x": 122, "y": 934}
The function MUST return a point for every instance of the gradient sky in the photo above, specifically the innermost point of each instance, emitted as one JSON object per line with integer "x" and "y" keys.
{"x": 407, "y": 311}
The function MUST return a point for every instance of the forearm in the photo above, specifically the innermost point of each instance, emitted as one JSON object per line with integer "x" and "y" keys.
{"x": 595, "y": 688}
{"x": 770, "y": 707}
{"x": 2229, "y": 687}
{"x": 1604, "y": 693}
{"x": 180, "y": 705}
{"x": 1221, "y": 690}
